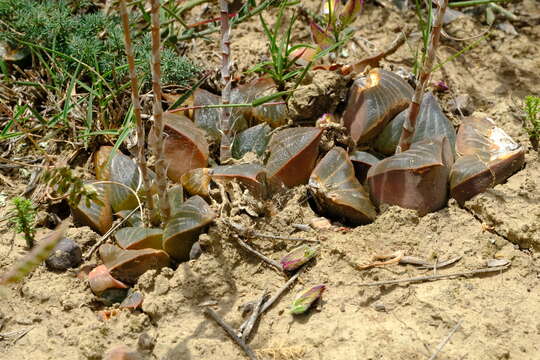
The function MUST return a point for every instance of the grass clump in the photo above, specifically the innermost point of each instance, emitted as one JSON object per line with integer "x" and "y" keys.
{"x": 87, "y": 35}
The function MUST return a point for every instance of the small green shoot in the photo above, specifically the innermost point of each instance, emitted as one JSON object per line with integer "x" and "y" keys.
{"x": 23, "y": 218}
{"x": 532, "y": 116}
{"x": 281, "y": 68}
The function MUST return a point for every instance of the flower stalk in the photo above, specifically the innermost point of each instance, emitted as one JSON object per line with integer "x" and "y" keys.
{"x": 225, "y": 114}
{"x": 414, "y": 109}
{"x": 161, "y": 169}
{"x": 141, "y": 136}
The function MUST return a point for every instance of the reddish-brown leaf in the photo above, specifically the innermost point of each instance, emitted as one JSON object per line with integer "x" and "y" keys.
{"x": 373, "y": 101}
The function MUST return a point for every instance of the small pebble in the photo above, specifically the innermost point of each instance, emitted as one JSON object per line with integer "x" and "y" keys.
{"x": 67, "y": 254}
{"x": 195, "y": 252}
{"x": 146, "y": 342}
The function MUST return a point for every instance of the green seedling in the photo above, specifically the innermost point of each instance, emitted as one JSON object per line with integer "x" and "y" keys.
{"x": 281, "y": 68}
{"x": 532, "y": 116}
{"x": 23, "y": 218}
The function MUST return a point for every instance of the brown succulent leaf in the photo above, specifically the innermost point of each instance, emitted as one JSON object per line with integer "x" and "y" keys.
{"x": 273, "y": 115}
{"x": 183, "y": 229}
{"x": 430, "y": 123}
{"x": 338, "y": 192}
{"x": 293, "y": 153}
{"x": 362, "y": 162}
{"x": 133, "y": 300}
{"x": 255, "y": 139}
{"x": 252, "y": 176}
{"x": 185, "y": 146}
{"x": 128, "y": 265}
{"x": 373, "y": 101}
{"x": 197, "y": 181}
{"x": 133, "y": 238}
{"x": 114, "y": 166}
{"x": 100, "y": 279}
{"x": 95, "y": 214}
{"x": 414, "y": 179}
{"x": 208, "y": 119}
{"x": 489, "y": 157}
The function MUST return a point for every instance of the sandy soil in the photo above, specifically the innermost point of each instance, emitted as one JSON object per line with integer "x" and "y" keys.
{"x": 496, "y": 311}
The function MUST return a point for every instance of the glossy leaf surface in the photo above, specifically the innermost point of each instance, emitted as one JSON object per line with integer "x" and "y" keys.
{"x": 128, "y": 265}
{"x": 293, "y": 153}
{"x": 208, "y": 119}
{"x": 139, "y": 238}
{"x": 274, "y": 115}
{"x": 338, "y": 192}
{"x": 255, "y": 139}
{"x": 183, "y": 229}
{"x": 100, "y": 280}
{"x": 430, "y": 123}
{"x": 251, "y": 176}
{"x": 373, "y": 101}
{"x": 114, "y": 166}
{"x": 185, "y": 146}
{"x": 414, "y": 179}
{"x": 197, "y": 181}
{"x": 362, "y": 162}
{"x": 489, "y": 157}
{"x": 98, "y": 215}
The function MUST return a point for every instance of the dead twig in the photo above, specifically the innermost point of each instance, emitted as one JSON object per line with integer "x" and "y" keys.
{"x": 266, "y": 259}
{"x": 411, "y": 260}
{"x": 274, "y": 298}
{"x": 88, "y": 255}
{"x": 230, "y": 331}
{"x": 249, "y": 324}
{"x": 394, "y": 258}
{"x": 437, "y": 277}
{"x": 242, "y": 230}
{"x": 374, "y": 60}
{"x": 445, "y": 340}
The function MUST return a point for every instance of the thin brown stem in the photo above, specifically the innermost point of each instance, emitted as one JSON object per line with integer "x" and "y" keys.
{"x": 141, "y": 136}
{"x": 161, "y": 169}
{"x": 230, "y": 331}
{"x": 437, "y": 277}
{"x": 225, "y": 115}
{"x": 410, "y": 123}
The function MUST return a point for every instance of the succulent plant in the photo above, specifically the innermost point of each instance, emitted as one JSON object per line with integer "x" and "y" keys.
{"x": 338, "y": 192}
{"x": 185, "y": 146}
{"x": 184, "y": 227}
{"x": 128, "y": 265}
{"x": 255, "y": 139}
{"x": 95, "y": 213}
{"x": 373, "y": 101}
{"x": 430, "y": 123}
{"x": 293, "y": 153}
{"x": 488, "y": 157}
{"x": 134, "y": 238}
{"x": 414, "y": 179}
{"x": 362, "y": 162}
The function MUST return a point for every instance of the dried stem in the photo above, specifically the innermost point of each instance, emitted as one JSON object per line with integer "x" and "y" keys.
{"x": 445, "y": 340}
{"x": 258, "y": 254}
{"x": 161, "y": 175}
{"x": 230, "y": 331}
{"x": 225, "y": 115}
{"x": 410, "y": 123}
{"x": 437, "y": 277}
{"x": 141, "y": 136}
